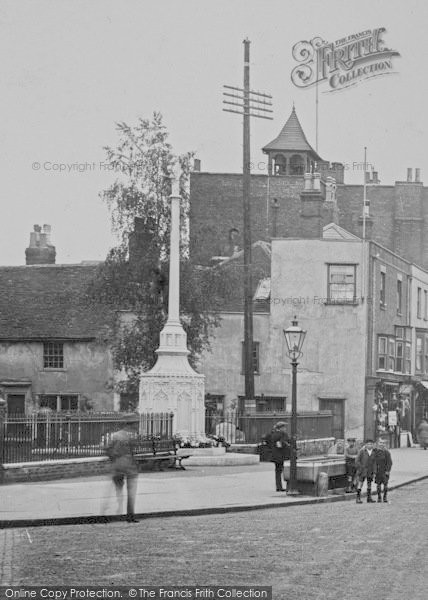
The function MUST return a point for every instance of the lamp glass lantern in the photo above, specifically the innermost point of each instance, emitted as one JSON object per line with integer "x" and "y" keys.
{"x": 294, "y": 338}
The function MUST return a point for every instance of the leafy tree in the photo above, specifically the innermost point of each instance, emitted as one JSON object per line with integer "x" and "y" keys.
{"x": 138, "y": 280}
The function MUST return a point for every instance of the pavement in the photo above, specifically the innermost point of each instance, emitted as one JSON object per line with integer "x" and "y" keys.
{"x": 197, "y": 490}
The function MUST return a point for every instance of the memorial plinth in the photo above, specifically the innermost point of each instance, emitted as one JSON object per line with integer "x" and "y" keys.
{"x": 172, "y": 385}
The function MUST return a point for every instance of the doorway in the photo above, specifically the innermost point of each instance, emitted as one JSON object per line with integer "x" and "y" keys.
{"x": 337, "y": 408}
{"x": 16, "y": 404}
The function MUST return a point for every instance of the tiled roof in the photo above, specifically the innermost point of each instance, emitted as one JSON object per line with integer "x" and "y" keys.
{"x": 291, "y": 137}
{"x": 45, "y": 302}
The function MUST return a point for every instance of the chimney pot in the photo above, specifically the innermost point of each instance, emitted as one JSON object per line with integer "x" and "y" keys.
{"x": 368, "y": 179}
{"x": 40, "y": 250}
{"x": 197, "y": 165}
{"x": 375, "y": 177}
{"x": 409, "y": 175}
{"x": 34, "y": 239}
{"x": 47, "y": 233}
{"x": 417, "y": 175}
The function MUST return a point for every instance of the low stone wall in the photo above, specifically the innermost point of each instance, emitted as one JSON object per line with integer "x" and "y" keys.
{"x": 54, "y": 469}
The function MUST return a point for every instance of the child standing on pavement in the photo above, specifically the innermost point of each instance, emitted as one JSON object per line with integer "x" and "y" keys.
{"x": 366, "y": 468}
{"x": 351, "y": 452}
{"x": 383, "y": 469}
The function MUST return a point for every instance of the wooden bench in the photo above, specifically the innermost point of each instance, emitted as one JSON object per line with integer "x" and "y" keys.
{"x": 159, "y": 452}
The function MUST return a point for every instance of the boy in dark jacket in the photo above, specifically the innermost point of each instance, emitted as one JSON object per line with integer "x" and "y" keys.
{"x": 351, "y": 452}
{"x": 366, "y": 468}
{"x": 383, "y": 469}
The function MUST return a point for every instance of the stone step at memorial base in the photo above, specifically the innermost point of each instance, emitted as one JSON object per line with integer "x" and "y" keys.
{"x": 220, "y": 460}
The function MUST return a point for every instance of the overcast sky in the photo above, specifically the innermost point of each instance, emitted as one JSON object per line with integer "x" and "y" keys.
{"x": 71, "y": 69}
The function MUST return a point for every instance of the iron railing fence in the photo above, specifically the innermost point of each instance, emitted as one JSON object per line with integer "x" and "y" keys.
{"x": 47, "y": 436}
{"x": 238, "y": 428}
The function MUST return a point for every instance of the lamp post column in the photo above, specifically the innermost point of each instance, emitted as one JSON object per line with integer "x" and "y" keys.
{"x": 294, "y": 337}
{"x": 292, "y": 484}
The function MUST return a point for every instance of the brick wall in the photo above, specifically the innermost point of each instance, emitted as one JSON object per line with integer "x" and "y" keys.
{"x": 216, "y": 207}
{"x": 399, "y": 213}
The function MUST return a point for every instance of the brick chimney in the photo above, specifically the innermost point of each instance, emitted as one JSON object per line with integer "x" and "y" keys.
{"x": 311, "y": 199}
{"x": 40, "y": 251}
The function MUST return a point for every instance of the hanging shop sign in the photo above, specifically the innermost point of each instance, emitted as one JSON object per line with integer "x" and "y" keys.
{"x": 392, "y": 418}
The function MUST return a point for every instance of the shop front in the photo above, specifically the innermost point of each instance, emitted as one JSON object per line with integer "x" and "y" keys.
{"x": 394, "y": 412}
{"x": 420, "y": 402}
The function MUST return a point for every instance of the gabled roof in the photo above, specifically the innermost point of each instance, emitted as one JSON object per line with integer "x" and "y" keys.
{"x": 332, "y": 231}
{"x": 48, "y": 302}
{"x": 291, "y": 137}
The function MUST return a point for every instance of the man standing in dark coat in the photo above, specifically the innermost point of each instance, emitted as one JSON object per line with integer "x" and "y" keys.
{"x": 366, "y": 468}
{"x": 123, "y": 467}
{"x": 279, "y": 444}
{"x": 383, "y": 468}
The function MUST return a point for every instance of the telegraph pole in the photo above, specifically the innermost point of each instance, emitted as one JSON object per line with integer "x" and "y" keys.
{"x": 250, "y": 104}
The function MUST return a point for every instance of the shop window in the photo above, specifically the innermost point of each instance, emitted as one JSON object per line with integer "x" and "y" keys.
{"x": 394, "y": 353}
{"x": 399, "y": 358}
{"x": 407, "y": 357}
{"x": 341, "y": 285}
{"x": 382, "y": 353}
{"x": 391, "y": 354}
{"x": 53, "y": 355}
{"x": 402, "y": 349}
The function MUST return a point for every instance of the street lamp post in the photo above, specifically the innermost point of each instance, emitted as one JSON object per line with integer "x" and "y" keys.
{"x": 294, "y": 338}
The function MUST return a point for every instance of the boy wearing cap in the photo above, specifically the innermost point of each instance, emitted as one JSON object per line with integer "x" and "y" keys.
{"x": 351, "y": 452}
{"x": 279, "y": 444}
{"x": 383, "y": 468}
{"x": 366, "y": 468}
